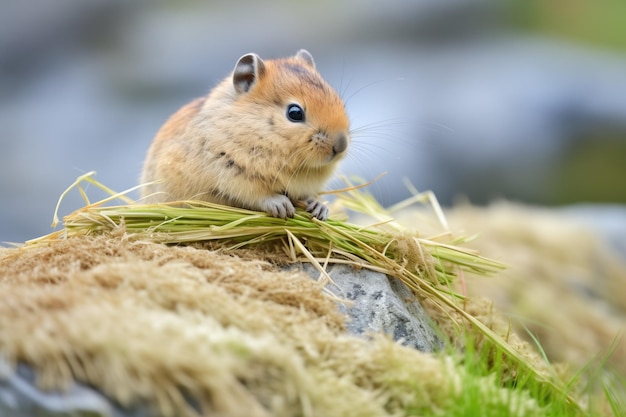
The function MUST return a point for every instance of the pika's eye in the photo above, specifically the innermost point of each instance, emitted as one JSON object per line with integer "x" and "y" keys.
{"x": 295, "y": 113}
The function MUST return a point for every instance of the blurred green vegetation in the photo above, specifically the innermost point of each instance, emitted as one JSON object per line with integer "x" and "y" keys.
{"x": 592, "y": 171}
{"x": 600, "y": 23}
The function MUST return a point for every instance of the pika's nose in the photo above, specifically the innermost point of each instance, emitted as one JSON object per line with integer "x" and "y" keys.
{"x": 341, "y": 143}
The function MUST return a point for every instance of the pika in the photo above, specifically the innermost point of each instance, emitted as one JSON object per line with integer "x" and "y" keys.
{"x": 266, "y": 138}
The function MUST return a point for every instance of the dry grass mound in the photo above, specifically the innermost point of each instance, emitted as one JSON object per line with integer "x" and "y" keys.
{"x": 105, "y": 302}
{"x": 147, "y": 323}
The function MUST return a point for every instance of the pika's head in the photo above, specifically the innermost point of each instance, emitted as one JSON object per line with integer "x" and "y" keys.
{"x": 295, "y": 108}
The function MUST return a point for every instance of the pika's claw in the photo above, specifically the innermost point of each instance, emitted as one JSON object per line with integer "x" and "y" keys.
{"x": 316, "y": 208}
{"x": 278, "y": 206}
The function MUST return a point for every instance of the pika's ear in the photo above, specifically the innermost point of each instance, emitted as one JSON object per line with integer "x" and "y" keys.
{"x": 305, "y": 56}
{"x": 249, "y": 69}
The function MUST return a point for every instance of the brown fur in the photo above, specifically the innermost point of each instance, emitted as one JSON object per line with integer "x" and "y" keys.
{"x": 240, "y": 149}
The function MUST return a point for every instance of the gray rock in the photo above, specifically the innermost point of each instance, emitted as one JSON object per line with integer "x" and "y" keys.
{"x": 20, "y": 397}
{"x": 381, "y": 304}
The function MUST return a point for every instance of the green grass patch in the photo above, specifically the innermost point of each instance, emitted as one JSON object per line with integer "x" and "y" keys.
{"x": 600, "y": 23}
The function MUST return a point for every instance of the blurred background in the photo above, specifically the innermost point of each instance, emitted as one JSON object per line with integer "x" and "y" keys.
{"x": 473, "y": 99}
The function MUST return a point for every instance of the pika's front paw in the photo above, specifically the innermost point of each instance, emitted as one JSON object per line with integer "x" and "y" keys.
{"x": 278, "y": 206}
{"x": 316, "y": 208}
